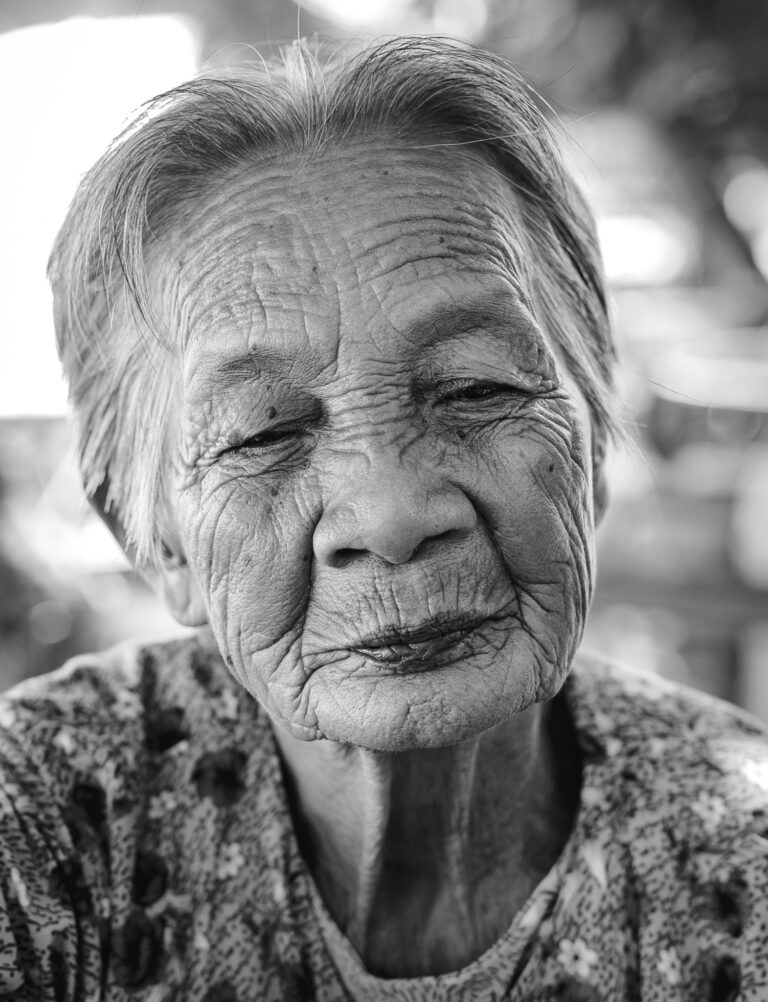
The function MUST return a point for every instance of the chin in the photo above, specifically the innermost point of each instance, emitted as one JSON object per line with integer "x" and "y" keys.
{"x": 429, "y": 709}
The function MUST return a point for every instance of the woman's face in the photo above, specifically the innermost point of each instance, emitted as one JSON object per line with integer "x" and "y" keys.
{"x": 383, "y": 485}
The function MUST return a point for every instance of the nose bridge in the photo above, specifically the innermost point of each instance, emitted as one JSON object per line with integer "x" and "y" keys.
{"x": 373, "y": 475}
{"x": 376, "y": 429}
{"x": 388, "y": 496}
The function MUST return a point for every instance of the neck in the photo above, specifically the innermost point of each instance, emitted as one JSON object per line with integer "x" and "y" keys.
{"x": 423, "y": 857}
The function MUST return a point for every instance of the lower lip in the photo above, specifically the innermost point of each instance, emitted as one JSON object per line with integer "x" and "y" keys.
{"x": 415, "y": 656}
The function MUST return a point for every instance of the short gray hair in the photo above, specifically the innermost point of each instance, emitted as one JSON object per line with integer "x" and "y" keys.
{"x": 108, "y": 338}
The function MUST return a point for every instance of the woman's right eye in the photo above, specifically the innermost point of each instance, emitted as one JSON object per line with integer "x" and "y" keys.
{"x": 276, "y": 440}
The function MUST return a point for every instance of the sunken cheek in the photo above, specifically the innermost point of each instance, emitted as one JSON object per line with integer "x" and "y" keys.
{"x": 250, "y": 545}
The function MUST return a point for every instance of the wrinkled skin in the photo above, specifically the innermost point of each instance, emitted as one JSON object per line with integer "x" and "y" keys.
{"x": 376, "y": 438}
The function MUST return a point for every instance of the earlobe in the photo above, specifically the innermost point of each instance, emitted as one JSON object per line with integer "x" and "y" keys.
{"x": 180, "y": 590}
{"x": 170, "y": 575}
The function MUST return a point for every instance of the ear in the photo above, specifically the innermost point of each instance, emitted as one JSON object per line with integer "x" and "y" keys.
{"x": 171, "y": 576}
{"x": 178, "y": 585}
{"x": 600, "y": 492}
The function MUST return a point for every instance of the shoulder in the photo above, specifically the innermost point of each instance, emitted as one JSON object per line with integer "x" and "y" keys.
{"x": 671, "y": 849}
{"x": 132, "y": 696}
{"x": 96, "y": 731}
{"x": 675, "y": 752}
{"x": 83, "y": 751}
{"x": 637, "y": 715}
{"x": 675, "y": 794}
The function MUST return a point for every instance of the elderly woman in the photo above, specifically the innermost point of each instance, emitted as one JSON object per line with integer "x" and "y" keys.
{"x": 339, "y": 359}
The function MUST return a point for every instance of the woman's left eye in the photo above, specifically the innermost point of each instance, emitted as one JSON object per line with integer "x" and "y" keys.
{"x": 468, "y": 392}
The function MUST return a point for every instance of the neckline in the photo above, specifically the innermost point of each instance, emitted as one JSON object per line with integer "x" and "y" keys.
{"x": 487, "y": 976}
{"x": 490, "y": 975}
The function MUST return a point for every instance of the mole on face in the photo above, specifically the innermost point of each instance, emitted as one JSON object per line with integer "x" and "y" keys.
{"x": 271, "y": 412}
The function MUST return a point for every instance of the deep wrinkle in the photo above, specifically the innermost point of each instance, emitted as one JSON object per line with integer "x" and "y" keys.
{"x": 512, "y": 351}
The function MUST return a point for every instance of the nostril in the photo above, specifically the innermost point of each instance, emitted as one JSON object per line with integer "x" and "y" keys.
{"x": 344, "y": 556}
{"x": 395, "y": 521}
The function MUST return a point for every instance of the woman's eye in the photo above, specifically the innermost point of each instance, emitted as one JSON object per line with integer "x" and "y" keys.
{"x": 470, "y": 392}
{"x": 268, "y": 438}
{"x": 271, "y": 437}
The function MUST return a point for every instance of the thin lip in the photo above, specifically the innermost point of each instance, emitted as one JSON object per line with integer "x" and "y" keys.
{"x": 425, "y": 633}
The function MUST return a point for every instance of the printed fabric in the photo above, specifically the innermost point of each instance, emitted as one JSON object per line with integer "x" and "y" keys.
{"x": 147, "y": 851}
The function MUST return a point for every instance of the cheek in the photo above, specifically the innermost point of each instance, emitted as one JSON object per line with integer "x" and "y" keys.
{"x": 538, "y": 478}
{"x": 250, "y": 549}
{"x": 539, "y": 511}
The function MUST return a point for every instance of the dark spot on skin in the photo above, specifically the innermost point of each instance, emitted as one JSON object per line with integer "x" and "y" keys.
{"x": 137, "y": 951}
{"x": 441, "y": 240}
{"x": 385, "y": 173}
{"x": 551, "y": 467}
{"x": 271, "y": 412}
{"x": 150, "y": 878}
{"x": 219, "y": 776}
{"x": 166, "y": 729}
{"x": 228, "y": 661}
{"x": 461, "y": 433}
{"x": 274, "y": 491}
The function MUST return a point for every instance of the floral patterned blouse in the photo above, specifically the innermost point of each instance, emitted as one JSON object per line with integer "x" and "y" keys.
{"x": 147, "y": 852}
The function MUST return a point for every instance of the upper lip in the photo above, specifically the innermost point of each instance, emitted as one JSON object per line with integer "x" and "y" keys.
{"x": 431, "y": 630}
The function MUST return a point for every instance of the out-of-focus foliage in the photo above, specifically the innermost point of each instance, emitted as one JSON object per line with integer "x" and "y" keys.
{"x": 695, "y": 65}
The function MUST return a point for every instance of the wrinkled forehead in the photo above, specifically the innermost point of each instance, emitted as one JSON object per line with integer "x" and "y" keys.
{"x": 305, "y": 238}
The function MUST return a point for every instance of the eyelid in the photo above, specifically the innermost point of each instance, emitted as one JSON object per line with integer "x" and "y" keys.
{"x": 504, "y": 382}
{"x": 272, "y": 435}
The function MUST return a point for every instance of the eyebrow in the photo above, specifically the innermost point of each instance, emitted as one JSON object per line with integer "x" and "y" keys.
{"x": 250, "y": 365}
{"x": 443, "y": 323}
{"x": 448, "y": 322}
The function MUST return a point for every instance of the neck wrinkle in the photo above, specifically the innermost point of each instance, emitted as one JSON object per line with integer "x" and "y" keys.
{"x": 420, "y": 855}
{"x": 376, "y": 775}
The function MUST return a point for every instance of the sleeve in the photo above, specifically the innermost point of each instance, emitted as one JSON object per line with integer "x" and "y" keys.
{"x": 49, "y": 931}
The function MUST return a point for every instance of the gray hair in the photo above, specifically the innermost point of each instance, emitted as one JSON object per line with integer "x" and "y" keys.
{"x": 111, "y": 344}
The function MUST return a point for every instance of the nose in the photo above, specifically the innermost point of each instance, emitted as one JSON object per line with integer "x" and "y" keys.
{"x": 390, "y": 511}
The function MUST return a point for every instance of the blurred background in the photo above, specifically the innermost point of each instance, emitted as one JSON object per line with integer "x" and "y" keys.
{"x": 666, "y": 104}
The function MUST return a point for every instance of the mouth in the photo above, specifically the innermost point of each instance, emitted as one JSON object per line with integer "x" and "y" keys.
{"x": 416, "y": 648}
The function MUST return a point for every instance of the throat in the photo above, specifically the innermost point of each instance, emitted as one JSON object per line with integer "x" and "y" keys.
{"x": 424, "y": 857}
